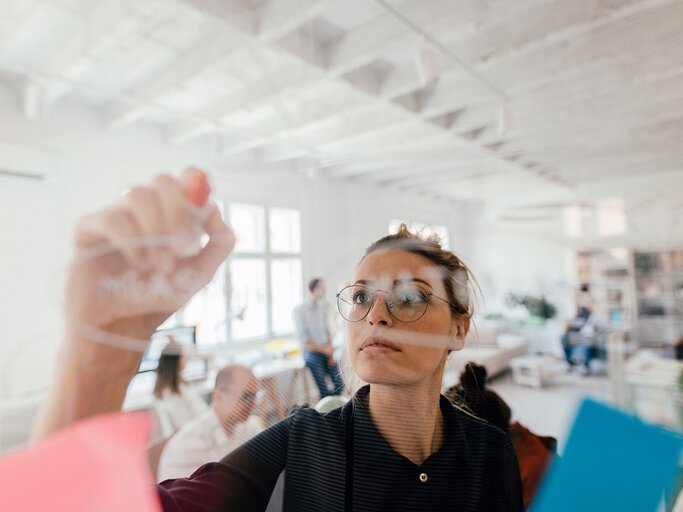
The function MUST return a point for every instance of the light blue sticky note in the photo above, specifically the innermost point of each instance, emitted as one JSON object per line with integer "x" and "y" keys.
{"x": 612, "y": 461}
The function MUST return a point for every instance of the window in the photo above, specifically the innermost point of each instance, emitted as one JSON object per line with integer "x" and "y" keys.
{"x": 424, "y": 229}
{"x": 207, "y": 310}
{"x": 611, "y": 218}
{"x": 253, "y": 295}
{"x": 266, "y": 276}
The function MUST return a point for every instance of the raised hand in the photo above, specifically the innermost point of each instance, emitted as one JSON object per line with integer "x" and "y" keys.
{"x": 139, "y": 260}
{"x": 135, "y": 263}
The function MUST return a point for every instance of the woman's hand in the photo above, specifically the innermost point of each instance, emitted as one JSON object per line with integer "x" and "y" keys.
{"x": 139, "y": 260}
{"x": 136, "y": 263}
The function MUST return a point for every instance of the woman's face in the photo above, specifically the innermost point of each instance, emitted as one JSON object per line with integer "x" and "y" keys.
{"x": 384, "y": 350}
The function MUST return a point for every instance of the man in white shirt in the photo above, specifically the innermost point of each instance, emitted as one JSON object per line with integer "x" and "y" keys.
{"x": 217, "y": 431}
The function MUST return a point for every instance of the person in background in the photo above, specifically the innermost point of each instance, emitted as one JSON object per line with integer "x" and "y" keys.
{"x": 217, "y": 431}
{"x": 175, "y": 403}
{"x": 310, "y": 320}
{"x": 578, "y": 339}
{"x": 585, "y": 302}
{"x": 534, "y": 452}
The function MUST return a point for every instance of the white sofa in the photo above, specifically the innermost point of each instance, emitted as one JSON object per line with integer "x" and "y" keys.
{"x": 486, "y": 346}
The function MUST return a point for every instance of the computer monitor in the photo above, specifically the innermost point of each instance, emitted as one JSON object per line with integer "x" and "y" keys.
{"x": 185, "y": 335}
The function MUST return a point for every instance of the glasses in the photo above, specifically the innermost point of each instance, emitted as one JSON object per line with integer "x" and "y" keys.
{"x": 405, "y": 303}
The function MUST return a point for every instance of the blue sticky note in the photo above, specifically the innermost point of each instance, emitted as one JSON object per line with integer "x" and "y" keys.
{"x": 612, "y": 461}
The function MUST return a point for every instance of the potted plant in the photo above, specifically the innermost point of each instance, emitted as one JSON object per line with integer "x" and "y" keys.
{"x": 538, "y": 307}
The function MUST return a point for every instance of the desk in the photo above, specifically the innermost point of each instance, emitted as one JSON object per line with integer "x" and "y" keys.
{"x": 535, "y": 370}
{"x": 652, "y": 389}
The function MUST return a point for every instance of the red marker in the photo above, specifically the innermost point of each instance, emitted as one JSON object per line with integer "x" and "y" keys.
{"x": 197, "y": 191}
{"x": 197, "y": 188}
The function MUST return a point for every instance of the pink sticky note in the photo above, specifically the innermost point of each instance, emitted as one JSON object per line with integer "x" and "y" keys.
{"x": 98, "y": 464}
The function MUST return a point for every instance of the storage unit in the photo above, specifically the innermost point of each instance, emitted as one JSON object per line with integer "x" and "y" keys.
{"x": 609, "y": 277}
{"x": 658, "y": 280}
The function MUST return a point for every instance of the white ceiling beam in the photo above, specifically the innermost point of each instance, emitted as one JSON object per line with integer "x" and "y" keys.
{"x": 541, "y": 62}
{"x": 421, "y": 173}
{"x": 255, "y": 28}
{"x": 430, "y": 178}
{"x": 308, "y": 111}
{"x": 385, "y": 34}
{"x": 357, "y": 48}
{"x": 395, "y": 171}
{"x": 369, "y": 119}
{"x": 454, "y": 91}
{"x": 268, "y": 88}
{"x": 281, "y": 152}
{"x": 236, "y": 13}
{"x": 303, "y": 47}
{"x": 281, "y": 17}
{"x": 70, "y": 57}
{"x": 562, "y": 22}
{"x": 213, "y": 48}
{"x": 300, "y": 46}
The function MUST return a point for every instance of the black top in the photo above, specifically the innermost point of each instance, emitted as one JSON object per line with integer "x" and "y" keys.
{"x": 475, "y": 470}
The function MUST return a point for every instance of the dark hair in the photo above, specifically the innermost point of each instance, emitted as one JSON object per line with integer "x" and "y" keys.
{"x": 472, "y": 394}
{"x": 585, "y": 287}
{"x": 457, "y": 276}
{"x": 314, "y": 283}
{"x": 168, "y": 370}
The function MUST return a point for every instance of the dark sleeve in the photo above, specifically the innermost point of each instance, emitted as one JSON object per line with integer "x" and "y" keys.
{"x": 512, "y": 482}
{"x": 241, "y": 482}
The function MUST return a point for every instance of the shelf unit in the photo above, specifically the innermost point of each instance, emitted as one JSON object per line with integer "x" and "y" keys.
{"x": 609, "y": 276}
{"x": 658, "y": 278}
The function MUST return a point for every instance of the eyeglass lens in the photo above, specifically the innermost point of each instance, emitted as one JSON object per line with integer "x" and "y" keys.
{"x": 405, "y": 303}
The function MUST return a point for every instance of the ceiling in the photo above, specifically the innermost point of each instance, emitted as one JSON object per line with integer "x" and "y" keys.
{"x": 532, "y": 105}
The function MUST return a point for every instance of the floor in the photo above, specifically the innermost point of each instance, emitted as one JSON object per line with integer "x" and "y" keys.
{"x": 550, "y": 410}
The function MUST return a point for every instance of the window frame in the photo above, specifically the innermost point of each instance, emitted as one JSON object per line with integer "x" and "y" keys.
{"x": 267, "y": 256}
{"x": 238, "y": 345}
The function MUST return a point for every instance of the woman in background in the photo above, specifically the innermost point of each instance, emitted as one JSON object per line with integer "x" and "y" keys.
{"x": 175, "y": 403}
{"x": 534, "y": 452}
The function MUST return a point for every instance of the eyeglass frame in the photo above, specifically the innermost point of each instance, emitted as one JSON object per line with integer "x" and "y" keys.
{"x": 374, "y": 296}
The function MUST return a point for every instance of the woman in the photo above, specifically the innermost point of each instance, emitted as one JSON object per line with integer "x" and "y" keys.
{"x": 534, "y": 452}
{"x": 398, "y": 445}
{"x": 176, "y": 403}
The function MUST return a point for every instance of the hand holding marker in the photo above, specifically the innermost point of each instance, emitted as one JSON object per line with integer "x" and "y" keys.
{"x": 150, "y": 236}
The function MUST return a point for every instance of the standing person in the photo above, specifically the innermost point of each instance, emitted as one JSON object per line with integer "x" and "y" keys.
{"x": 217, "y": 431}
{"x": 310, "y": 320}
{"x": 396, "y": 445}
{"x": 175, "y": 402}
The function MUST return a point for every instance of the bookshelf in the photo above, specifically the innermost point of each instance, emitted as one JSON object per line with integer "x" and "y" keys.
{"x": 658, "y": 280}
{"x": 608, "y": 274}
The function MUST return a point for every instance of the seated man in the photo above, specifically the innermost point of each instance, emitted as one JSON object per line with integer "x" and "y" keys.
{"x": 217, "y": 431}
{"x": 578, "y": 340}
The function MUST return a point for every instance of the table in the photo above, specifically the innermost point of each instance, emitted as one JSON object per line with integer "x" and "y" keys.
{"x": 270, "y": 374}
{"x": 535, "y": 370}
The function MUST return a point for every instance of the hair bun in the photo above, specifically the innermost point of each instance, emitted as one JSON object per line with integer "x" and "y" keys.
{"x": 473, "y": 377}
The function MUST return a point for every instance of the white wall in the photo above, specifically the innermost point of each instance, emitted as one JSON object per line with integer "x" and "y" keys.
{"x": 91, "y": 166}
